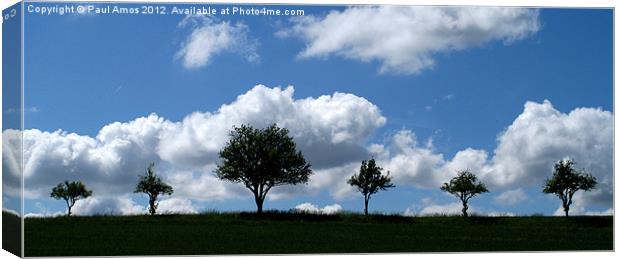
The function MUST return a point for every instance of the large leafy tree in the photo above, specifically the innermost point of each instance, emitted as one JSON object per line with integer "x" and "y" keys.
{"x": 261, "y": 159}
{"x": 369, "y": 181}
{"x": 70, "y": 192}
{"x": 464, "y": 186}
{"x": 151, "y": 185}
{"x": 566, "y": 181}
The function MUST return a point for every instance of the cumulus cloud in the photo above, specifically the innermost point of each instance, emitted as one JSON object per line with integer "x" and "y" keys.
{"x": 406, "y": 39}
{"x": 511, "y": 197}
{"x": 311, "y": 208}
{"x": 11, "y": 157}
{"x": 176, "y": 206}
{"x": 107, "y": 164}
{"x": 524, "y": 157}
{"x": 330, "y": 130}
{"x": 104, "y": 205}
{"x": 333, "y": 180}
{"x": 123, "y": 205}
{"x": 453, "y": 208}
{"x": 580, "y": 207}
{"x": 210, "y": 37}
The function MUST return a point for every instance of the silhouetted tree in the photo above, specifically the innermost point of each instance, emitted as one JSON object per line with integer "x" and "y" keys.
{"x": 70, "y": 192}
{"x": 153, "y": 186}
{"x": 262, "y": 159}
{"x": 369, "y": 181}
{"x": 566, "y": 181}
{"x": 464, "y": 186}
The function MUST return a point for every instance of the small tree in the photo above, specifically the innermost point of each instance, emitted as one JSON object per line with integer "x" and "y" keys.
{"x": 566, "y": 181}
{"x": 464, "y": 186}
{"x": 153, "y": 186}
{"x": 70, "y": 192}
{"x": 262, "y": 159}
{"x": 369, "y": 181}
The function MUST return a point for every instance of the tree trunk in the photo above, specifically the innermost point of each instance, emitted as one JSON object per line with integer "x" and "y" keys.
{"x": 259, "y": 204}
{"x": 366, "y": 205}
{"x": 152, "y": 208}
{"x": 465, "y": 207}
{"x": 566, "y": 208}
{"x": 69, "y": 205}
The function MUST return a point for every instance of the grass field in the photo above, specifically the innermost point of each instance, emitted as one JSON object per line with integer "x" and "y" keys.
{"x": 11, "y": 233}
{"x": 283, "y": 233}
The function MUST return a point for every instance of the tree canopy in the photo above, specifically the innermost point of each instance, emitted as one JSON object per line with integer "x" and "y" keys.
{"x": 464, "y": 186}
{"x": 70, "y": 192}
{"x": 566, "y": 181}
{"x": 369, "y": 181}
{"x": 261, "y": 159}
{"x": 153, "y": 186}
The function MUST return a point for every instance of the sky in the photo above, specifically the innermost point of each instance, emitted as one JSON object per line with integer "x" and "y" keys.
{"x": 426, "y": 91}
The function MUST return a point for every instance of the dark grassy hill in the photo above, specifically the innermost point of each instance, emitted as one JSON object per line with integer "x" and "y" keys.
{"x": 282, "y": 233}
{"x": 11, "y": 233}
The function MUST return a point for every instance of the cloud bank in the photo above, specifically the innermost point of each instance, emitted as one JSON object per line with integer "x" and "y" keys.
{"x": 524, "y": 156}
{"x": 406, "y": 39}
{"x": 332, "y": 131}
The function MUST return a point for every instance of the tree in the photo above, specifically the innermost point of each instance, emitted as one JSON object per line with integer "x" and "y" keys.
{"x": 566, "y": 181}
{"x": 262, "y": 159}
{"x": 153, "y": 186}
{"x": 369, "y": 181}
{"x": 70, "y": 192}
{"x": 464, "y": 186}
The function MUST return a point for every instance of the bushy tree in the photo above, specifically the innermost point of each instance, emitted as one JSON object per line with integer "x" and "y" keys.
{"x": 369, "y": 181}
{"x": 70, "y": 192}
{"x": 261, "y": 159}
{"x": 153, "y": 186}
{"x": 566, "y": 181}
{"x": 464, "y": 186}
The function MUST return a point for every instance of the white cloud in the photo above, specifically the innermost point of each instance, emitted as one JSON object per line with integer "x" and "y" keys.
{"x": 330, "y": 130}
{"x": 11, "y": 148}
{"x": 576, "y": 211}
{"x": 511, "y": 197}
{"x": 406, "y": 39}
{"x": 411, "y": 164}
{"x": 542, "y": 135}
{"x": 333, "y": 180}
{"x": 524, "y": 157}
{"x": 176, "y": 206}
{"x": 525, "y": 153}
{"x": 103, "y": 205}
{"x": 580, "y": 207}
{"x": 429, "y": 208}
{"x": 444, "y": 209}
{"x": 311, "y": 208}
{"x": 204, "y": 186}
{"x": 210, "y": 37}
{"x": 45, "y": 215}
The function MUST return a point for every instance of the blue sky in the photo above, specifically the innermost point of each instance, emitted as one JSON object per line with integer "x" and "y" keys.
{"x": 84, "y": 72}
